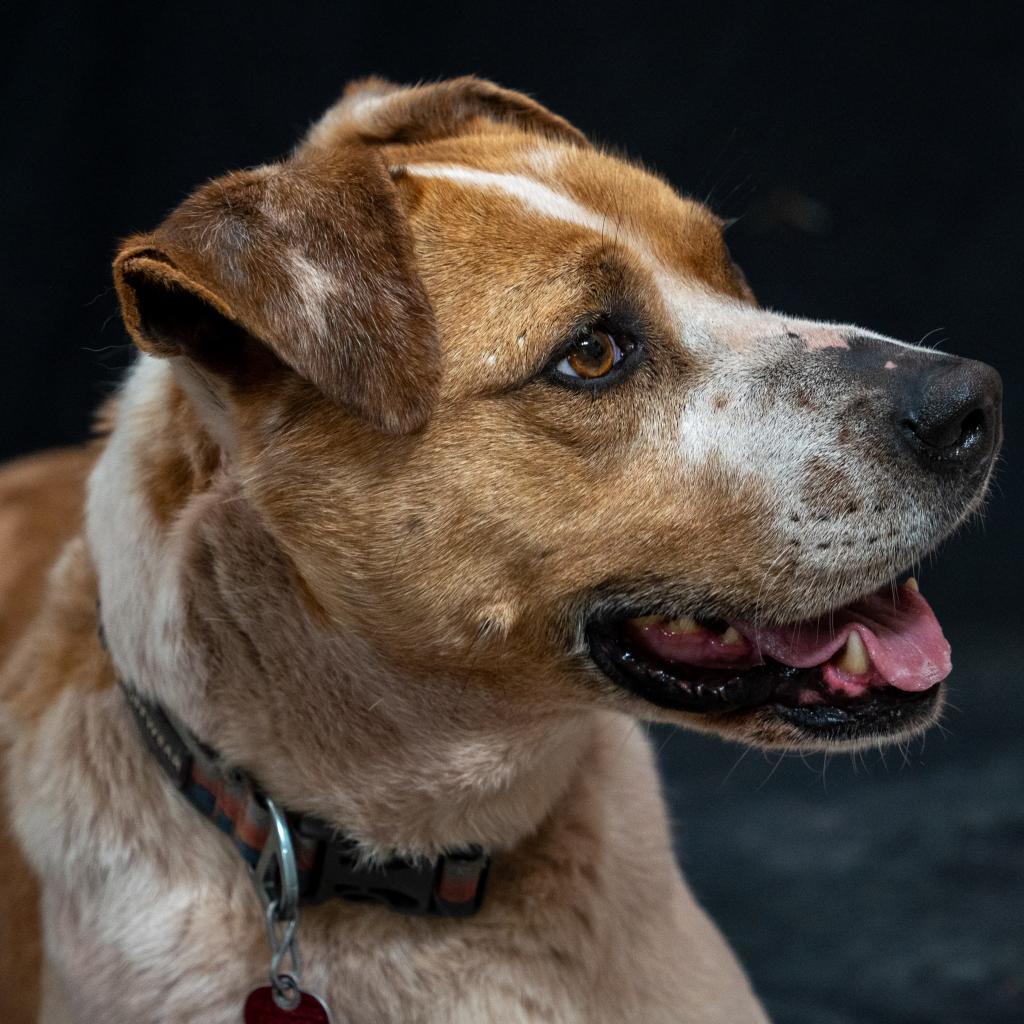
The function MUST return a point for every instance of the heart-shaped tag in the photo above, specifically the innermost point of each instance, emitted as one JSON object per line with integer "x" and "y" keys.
{"x": 260, "y": 1008}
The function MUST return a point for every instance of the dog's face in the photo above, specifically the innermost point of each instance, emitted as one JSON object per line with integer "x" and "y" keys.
{"x": 564, "y": 458}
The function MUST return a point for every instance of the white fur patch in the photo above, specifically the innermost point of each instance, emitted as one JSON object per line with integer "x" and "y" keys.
{"x": 535, "y": 196}
{"x": 365, "y": 105}
{"x": 315, "y": 286}
{"x": 140, "y": 588}
{"x": 358, "y": 110}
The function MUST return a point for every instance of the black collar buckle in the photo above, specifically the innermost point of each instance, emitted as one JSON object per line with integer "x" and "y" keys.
{"x": 452, "y": 885}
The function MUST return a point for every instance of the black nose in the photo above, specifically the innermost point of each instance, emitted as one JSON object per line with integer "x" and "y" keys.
{"x": 951, "y": 415}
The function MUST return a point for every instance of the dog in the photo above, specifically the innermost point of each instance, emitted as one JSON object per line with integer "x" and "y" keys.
{"x": 456, "y": 447}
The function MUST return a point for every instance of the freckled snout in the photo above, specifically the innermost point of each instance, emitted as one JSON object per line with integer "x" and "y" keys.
{"x": 944, "y": 412}
{"x": 951, "y": 416}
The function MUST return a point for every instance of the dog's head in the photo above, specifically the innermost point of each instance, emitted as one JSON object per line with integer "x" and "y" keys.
{"x": 510, "y": 408}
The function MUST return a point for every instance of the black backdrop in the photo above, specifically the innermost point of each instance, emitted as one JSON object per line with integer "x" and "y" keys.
{"x": 874, "y": 159}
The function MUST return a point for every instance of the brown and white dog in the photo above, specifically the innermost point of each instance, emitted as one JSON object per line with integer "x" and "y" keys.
{"x": 457, "y": 446}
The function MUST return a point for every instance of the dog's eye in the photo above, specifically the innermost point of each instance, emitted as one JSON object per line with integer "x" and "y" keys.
{"x": 591, "y": 357}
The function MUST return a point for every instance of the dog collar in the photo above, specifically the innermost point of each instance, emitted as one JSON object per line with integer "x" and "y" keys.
{"x": 298, "y": 857}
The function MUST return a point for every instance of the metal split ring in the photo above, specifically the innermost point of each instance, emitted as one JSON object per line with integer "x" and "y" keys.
{"x": 285, "y": 991}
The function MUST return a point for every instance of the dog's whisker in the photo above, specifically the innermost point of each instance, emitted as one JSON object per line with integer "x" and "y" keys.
{"x": 924, "y": 338}
{"x": 775, "y": 768}
{"x": 739, "y": 760}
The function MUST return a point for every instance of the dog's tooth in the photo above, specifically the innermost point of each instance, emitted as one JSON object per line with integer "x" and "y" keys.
{"x": 855, "y": 660}
{"x": 731, "y": 637}
{"x": 643, "y": 621}
{"x": 911, "y": 584}
{"x": 684, "y": 624}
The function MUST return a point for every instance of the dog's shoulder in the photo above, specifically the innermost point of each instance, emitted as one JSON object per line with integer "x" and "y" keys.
{"x": 47, "y": 642}
{"x": 41, "y": 499}
{"x": 47, "y": 582}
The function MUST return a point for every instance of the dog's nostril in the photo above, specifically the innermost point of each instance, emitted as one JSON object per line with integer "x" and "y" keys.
{"x": 974, "y": 425}
{"x": 953, "y": 416}
{"x": 950, "y": 433}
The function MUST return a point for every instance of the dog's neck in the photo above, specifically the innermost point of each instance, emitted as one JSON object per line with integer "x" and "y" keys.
{"x": 204, "y": 613}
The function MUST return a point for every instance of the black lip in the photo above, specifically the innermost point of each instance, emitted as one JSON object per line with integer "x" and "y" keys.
{"x": 769, "y": 687}
{"x": 669, "y": 686}
{"x": 887, "y": 711}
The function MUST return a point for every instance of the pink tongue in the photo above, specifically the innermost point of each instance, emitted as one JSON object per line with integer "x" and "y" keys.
{"x": 903, "y": 639}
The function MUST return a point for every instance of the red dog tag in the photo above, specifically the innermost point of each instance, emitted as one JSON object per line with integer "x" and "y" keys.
{"x": 260, "y": 1008}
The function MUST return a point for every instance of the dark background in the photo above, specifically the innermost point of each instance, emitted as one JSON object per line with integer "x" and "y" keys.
{"x": 873, "y": 156}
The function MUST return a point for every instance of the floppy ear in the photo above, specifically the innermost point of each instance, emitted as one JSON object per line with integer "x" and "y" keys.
{"x": 309, "y": 264}
{"x": 377, "y": 111}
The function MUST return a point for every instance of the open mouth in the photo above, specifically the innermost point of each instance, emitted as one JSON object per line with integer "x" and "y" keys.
{"x": 872, "y": 666}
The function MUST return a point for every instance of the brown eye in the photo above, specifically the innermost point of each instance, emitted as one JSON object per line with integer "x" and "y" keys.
{"x": 591, "y": 357}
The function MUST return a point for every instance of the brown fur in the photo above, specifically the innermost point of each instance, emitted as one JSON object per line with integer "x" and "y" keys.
{"x": 348, "y": 537}
{"x": 444, "y": 110}
{"x": 40, "y": 509}
{"x": 222, "y": 270}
